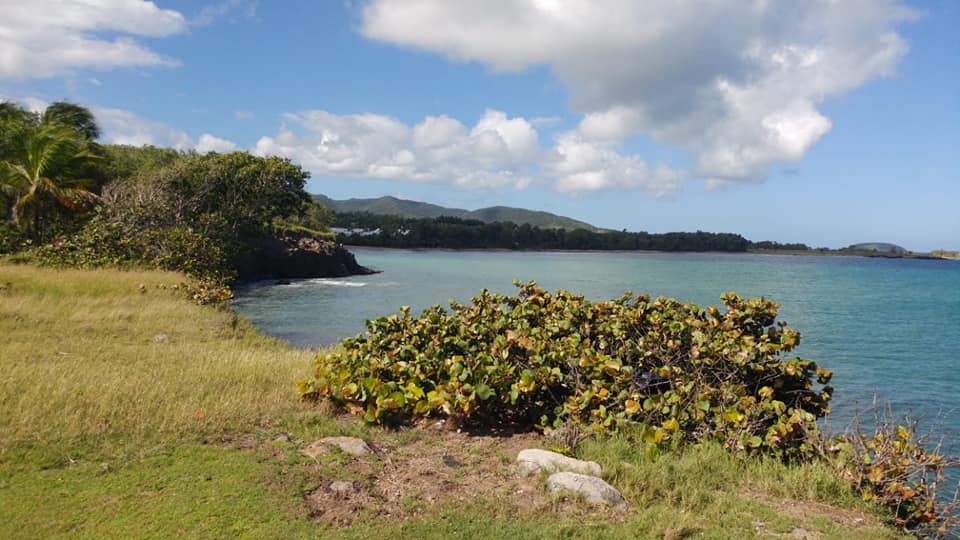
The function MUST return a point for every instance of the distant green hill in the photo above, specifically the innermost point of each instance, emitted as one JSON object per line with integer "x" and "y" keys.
{"x": 392, "y": 206}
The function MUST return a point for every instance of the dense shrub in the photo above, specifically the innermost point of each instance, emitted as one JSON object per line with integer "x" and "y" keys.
{"x": 672, "y": 369}
{"x": 11, "y": 238}
{"x": 106, "y": 243}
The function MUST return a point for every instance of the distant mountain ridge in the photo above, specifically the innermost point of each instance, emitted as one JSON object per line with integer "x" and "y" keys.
{"x": 392, "y": 206}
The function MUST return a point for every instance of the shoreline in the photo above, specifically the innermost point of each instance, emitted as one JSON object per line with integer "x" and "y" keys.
{"x": 792, "y": 253}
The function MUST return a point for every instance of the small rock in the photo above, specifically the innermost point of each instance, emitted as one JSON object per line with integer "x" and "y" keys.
{"x": 534, "y": 460}
{"x": 342, "y": 487}
{"x": 592, "y": 489}
{"x": 803, "y": 533}
{"x": 451, "y": 462}
{"x": 160, "y": 338}
{"x": 348, "y": 445}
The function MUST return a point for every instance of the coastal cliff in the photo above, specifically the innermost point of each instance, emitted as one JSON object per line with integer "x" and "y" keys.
{"x": 295, "y": 255}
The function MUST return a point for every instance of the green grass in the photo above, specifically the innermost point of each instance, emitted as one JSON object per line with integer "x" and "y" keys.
{"x": 109, "y": 433}
{"x": 188, "y": 490}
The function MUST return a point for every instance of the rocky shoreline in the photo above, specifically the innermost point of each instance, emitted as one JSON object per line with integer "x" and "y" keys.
{"x": 295, "y": 255}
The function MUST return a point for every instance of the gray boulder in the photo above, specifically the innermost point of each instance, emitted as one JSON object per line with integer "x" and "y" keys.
{"x": 534, "y": 460}
{"x": 592, "y": 489}
{"x": 348, "y": 445}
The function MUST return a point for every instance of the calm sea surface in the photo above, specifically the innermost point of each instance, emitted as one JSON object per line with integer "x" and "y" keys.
{"x": 886, "y": 327}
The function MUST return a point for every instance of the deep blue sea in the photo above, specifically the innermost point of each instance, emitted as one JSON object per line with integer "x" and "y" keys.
{"x": 886, "y": 327}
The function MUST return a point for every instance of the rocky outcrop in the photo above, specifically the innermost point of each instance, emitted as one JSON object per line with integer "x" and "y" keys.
{"x": 297, "y": 255}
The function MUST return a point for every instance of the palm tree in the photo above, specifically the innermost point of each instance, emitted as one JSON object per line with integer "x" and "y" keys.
{"x": 72, "y": 115}
{"x": 48, "y": 167}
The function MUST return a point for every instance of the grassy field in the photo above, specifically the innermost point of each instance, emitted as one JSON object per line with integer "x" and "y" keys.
{"x": 129, "y": 412}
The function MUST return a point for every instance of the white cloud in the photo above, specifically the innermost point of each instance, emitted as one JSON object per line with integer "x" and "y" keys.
{"x": 437, "y": 131}
{"x": 736, "y": 83}
{"x": 243, "y": 115}
{"x": 497, "y": 151}
{"x": 581, "y": 164}
{"x": 124, "y": 127}
{"x": 43, "y": 38}
{"x": 209, "y": 143}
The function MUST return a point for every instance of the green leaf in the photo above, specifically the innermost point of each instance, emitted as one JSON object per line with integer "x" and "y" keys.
{"x": 483, "y": 391}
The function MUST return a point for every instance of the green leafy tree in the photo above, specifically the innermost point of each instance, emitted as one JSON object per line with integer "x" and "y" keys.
{"x": 47, "y": 170}
{"x": 124, "y": 162}
{"x": 203, "y": 215}
{"x": 315, "y": 218}
{"x": 238, "y": 191}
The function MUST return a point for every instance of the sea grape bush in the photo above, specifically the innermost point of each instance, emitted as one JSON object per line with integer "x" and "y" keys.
{"x": 902, "y": 469}
{"x": 671, "y": 370}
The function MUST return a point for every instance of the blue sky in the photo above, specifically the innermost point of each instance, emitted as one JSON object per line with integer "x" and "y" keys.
{"x": 820, "y": 122}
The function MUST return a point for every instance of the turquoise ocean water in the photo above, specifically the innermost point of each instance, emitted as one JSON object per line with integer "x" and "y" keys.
{"x": 887, "y": 327}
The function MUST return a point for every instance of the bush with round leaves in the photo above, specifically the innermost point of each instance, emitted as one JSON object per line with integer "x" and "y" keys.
{"x": 673, "y": 370}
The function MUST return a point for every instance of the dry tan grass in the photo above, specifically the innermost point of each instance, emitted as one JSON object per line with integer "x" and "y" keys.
{"x": 78, "y": 357}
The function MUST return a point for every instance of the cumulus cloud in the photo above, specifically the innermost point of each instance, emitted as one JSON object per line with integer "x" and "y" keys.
{"x": 124, "y": 127}
{"x": 735, "y": 83}
{"x": 43, "y": 38}
{"x": 581, "y": 164}
{"x": 497, "y": 151}
{"x": 210, "y": 143}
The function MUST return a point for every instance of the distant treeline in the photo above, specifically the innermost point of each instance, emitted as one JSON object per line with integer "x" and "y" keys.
{"x": 769, "y": 245}
{"x": 364, "y": 229}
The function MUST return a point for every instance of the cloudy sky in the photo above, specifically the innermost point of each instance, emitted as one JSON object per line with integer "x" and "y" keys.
{"x": 818, "y": 121}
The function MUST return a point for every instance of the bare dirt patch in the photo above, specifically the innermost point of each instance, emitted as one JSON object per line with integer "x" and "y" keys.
{"x": 406, "y": 480}
{"x": 437, "y": 467}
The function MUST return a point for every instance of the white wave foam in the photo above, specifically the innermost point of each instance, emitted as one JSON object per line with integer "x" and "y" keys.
{"x": 336, "y": 282}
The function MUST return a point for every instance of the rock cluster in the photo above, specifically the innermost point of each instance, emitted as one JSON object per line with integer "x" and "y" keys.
{"x": 569, "y": 475}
